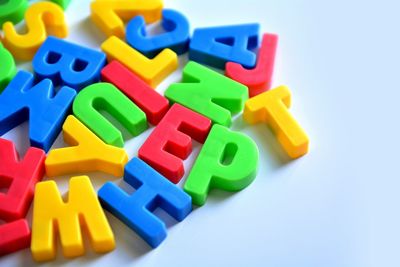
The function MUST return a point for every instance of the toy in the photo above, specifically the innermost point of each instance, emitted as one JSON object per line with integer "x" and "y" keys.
{"x": 208, "y": 93}
{"x": 12, "y": 10}
{"x": 175, "y": 38}
{"x": 152, "y": 191}
{"x": 109, "y": 15}
{"x": 68, "y": 64}
{"x": 14, "y": 236}
{"x": 152, "y": 103}
{"x": 45, "y": 109}
{"x": 227, "y": 161}
{"x": 51, "y": 215}
{"x": 62, "y": 3}
{"x": 216, "y": 46}
{"x": 39, "y": 18}
{"x": 258, "y": 80}
{"x": 106, "y": 97}
{"x": 88, "y": 153}
{"x": 19, "y": 177}
{"x": 114, "y": 91}
{"x": 152, "y": 71}
{"x": 170, "y": 142}
{"x": 272, "y": 107}
{"x": 8, "y": 69}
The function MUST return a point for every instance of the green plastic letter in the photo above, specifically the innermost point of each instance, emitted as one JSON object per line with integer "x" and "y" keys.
{"x": 208, "y": 93}
{"x": 62, "y": 3}
{"x": 12, "y": 10}
{"x": 106, "y": 97}
{"x": 7, "y": 67}
{"x": 227, "y": 161}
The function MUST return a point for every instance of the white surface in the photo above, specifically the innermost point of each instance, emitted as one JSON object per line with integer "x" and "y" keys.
{"x": 338, "y": 205}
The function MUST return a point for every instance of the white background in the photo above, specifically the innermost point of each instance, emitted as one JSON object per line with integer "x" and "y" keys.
{"x": 338, "y": 205}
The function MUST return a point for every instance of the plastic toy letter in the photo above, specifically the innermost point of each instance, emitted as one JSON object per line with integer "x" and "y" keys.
{"x": 14, "y": 236}
{"x": 51, "y": 215}
{"x": 62, "y": 3}
{"x": 152, "y": 191}
{"x": 109, "y": 15}
{"x": 258, "y": 79}
{"x": 227, "y": 161}
{"x": 272, "y": 107}
{"x": 39, "y": 17}
{"x": 88, "y": 153}
{"x": 105, "y": 96}
{"x": 19, "y": 178}
{"x": 45, "y": 109}
{"x": 67, "y": 63}
{"x": 7, "y": 67}
{"x": 12, "y": 10}
{"x": 175, "y": 38}
{"x": 208, "y": 93}
{"x": 152, "y": 71}
{"x": 150, "y": 101}
{"x": 215, "y": 46}
{"x": 171, "y": 141}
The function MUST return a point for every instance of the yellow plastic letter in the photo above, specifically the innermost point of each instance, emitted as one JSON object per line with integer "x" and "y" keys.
{"x": 38, "y": 17}
{"x": 272, "y": 107}
{"x": 152, "y": 71}
{"x": 110, "y": 15}
{"x": 89, "y": 153}
{"x": 51, "y": 216}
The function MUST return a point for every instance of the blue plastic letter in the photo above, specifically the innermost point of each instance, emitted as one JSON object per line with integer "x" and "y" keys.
{"x": 217, "y": 45}
{"x": 176, "y": 36}
{"x": 68, "y": 64}
{"x": 46, "y": 110}
{"x": 152, "y": 191}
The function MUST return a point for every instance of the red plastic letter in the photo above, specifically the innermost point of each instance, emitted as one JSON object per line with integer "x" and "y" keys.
{"x": 14, "y": 236}
{"x": 19, "y": 179}
{"x": 171, "y": 142}
{"x": 258, "y": 80}
{"x": 152, "y": 103}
